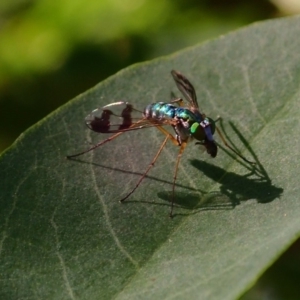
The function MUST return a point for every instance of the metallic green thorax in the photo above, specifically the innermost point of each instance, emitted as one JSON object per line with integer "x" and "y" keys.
{"x": 188, "y": 123}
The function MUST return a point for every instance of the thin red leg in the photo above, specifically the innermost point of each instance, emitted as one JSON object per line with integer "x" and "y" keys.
{"x": 148, "y": 169}
{"x": 182, "y": 147}
{"x": 105, "y": 141}
{"x": 233, "y": 150}
{"x": 96, "y": 146}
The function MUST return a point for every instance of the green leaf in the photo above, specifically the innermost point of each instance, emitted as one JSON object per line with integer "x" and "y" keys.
{"x": 64, "y": 233}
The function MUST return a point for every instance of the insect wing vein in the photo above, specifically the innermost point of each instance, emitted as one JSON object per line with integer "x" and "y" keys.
{"x": 186, "y": 88}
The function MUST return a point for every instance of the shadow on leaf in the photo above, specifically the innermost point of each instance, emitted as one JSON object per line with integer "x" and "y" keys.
{"x": 234, "y": 188}
{"x": 240, "y": 187}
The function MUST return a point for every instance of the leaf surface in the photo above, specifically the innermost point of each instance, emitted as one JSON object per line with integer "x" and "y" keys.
{"x": 63, "y": 232}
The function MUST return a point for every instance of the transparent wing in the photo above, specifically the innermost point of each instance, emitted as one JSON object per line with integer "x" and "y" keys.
{"x": 186, "y": 88}
{"x": 120, "y": 117}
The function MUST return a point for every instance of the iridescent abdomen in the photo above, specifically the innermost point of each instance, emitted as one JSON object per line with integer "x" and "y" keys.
{"x": 162, "y": 111}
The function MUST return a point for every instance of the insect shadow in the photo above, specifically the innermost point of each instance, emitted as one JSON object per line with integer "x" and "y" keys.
{"x": 234, "y": 188}
{"x": 115, "y": 169}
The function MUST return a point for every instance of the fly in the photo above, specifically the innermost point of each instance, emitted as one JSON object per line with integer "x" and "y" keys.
{"x": 187, "y": 121}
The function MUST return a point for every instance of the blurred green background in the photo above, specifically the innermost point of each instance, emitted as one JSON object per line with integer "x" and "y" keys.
{"x": 51, "y": 51}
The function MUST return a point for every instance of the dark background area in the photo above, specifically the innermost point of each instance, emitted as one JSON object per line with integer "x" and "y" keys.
{"x": 51, "y": 51}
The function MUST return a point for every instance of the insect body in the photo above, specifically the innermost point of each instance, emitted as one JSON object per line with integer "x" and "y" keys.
{"x": 187, "y": 121}
{"x": 187, "y": 124}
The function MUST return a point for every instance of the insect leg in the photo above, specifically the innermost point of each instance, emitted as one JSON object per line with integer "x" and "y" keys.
{"x": 96, "y": 146}
{"x": 167, "y": 133}
{"x": 178, "y": 101}
{"x": 233, "y": 150}
{"x": 182, "y": 147}
{"x": 148, "y": 169}
{"x": 105, "y": 141}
